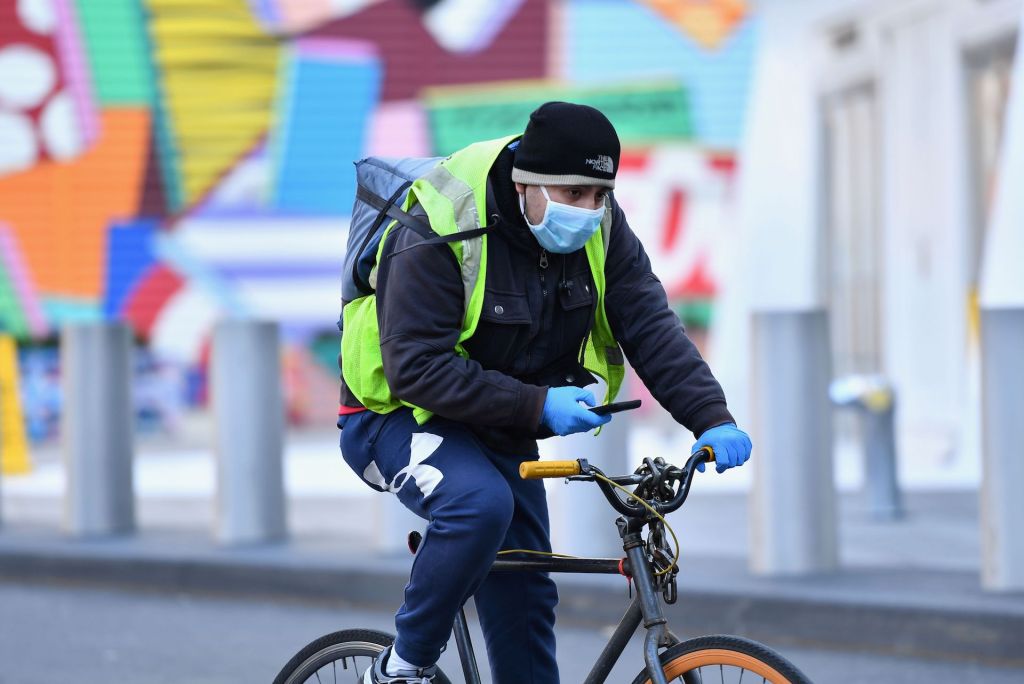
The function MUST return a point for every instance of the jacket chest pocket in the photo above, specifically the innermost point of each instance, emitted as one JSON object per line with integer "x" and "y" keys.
{"x": 503, "y": 330}
{"x": 504, "y": 308}
{"x": 576, "y": 299}
{"x": 576, "y": 292}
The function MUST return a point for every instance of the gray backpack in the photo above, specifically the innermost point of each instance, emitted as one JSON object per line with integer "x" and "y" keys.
{"x": 381, "y": 189}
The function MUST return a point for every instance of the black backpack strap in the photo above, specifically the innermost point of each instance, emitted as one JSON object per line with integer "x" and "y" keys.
{"x": 383, "y": 207}
{"x": 418, "y": 223}
{"x": 444, "y": 239}
{"x": 389, "y": 208}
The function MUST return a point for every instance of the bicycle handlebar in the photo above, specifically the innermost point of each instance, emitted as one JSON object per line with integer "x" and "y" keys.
{"x": 534, "y": 470}
{"x": 654, "y": 481}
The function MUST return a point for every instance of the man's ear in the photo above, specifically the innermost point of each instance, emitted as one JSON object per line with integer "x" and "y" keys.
{"x": 520, "y": 188}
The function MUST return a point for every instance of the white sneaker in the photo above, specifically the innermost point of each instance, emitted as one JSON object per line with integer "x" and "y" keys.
{"x": 378, "y": 675}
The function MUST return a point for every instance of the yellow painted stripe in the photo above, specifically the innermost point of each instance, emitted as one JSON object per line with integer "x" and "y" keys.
{"x": 198, "y": 114}
{"x": 218, "y": 76}
{"x": 201, "y": 58}
{"x": 196, "y": 25}
{"x": 14, "y": 452}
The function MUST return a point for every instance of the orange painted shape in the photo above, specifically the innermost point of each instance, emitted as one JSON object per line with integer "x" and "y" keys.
{"x": 60, "y": 212}
{"x": 708, "y": 22}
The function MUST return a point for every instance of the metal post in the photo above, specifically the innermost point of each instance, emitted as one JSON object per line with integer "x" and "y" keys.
{"x": 793, "y": 506}
{"x": 881, "y": 482}
{"x": 582, "y": 523}
{"x": 97, "y": 429}
{"x": 873, "y": 398}
{"x": 1002, "y": 506}
{"x": 249, "y": 416}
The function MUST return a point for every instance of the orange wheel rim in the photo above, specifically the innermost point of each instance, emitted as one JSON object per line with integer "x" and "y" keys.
{"x": 721, "y": 656}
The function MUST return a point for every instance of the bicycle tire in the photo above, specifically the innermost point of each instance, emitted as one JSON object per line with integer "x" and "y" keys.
{"x": 720, "y": 651}
{"x": 359, "y": 645}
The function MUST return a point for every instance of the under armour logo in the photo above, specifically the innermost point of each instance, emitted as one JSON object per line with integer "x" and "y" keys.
{"x": 603, "y": 163}
{"x": 426, "y": 477}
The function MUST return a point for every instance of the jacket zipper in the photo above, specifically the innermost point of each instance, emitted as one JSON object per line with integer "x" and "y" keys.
{"x": 543, "y": 265}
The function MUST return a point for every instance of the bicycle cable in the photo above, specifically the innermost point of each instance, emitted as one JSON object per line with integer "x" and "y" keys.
{"x": 659, "y": 516}
{"x": 538, "y": 553}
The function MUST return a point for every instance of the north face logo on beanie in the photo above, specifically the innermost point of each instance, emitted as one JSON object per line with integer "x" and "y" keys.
{"x": 603, "y": 163}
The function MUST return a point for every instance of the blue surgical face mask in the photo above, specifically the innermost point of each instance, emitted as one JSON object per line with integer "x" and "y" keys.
{"x": 564, "y": 228}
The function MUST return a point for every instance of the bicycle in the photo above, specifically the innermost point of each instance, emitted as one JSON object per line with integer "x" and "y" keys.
{"x": 659, "y": 489}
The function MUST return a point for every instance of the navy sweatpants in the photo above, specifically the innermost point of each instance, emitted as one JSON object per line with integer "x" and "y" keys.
{"x": 476, "y": 505}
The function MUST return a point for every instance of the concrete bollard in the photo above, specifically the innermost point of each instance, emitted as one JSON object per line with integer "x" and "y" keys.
{"x": 248, "y": 412}
{"x": 793, "y": 506}
{"x": 582, "y": 521}
{"x": 97, "y": 429}
{"x": 1001, "y": 297}
{"x": 1002, "y": 506}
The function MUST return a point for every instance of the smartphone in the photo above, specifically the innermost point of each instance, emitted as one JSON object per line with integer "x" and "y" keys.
{"x": 616, "y": 407}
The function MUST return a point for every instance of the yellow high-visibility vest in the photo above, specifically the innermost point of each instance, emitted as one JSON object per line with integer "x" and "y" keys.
{"x": 454, "y": 196}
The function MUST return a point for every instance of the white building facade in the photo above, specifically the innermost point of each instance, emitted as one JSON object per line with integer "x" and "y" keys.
{"x": 874, "y": 163}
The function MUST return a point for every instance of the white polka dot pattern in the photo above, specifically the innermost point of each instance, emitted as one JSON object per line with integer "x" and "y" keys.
{"x": 59, "y": 127}
{"x": 38, "y": 16}
{"x": 27, "y": 76}
{"x": 18, "y": 146}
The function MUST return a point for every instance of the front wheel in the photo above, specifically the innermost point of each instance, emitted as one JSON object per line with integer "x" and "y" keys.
{"x": 339, "y": 657}
{"x": 724, "y": 659}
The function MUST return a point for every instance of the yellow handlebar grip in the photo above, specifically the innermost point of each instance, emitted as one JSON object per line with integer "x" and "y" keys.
{"x": 534, "y": 470}
{"x": 710, "y": 452}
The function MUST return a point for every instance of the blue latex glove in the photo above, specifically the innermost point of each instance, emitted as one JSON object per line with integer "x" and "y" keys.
{"x": 730, "y": 444}
{"x": 563, "y": 415}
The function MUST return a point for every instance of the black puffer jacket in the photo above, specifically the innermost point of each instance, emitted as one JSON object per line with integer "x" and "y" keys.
{"x": 537, "y": 309}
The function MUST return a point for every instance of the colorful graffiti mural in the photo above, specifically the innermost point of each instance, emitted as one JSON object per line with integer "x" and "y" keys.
{"x": 166, "y": 163}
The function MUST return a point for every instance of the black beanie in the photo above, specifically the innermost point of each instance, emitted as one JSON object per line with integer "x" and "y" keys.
{"x": 567, "y": 144}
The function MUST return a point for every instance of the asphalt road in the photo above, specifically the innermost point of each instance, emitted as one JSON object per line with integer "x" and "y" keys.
{"x": 87, "y": 635}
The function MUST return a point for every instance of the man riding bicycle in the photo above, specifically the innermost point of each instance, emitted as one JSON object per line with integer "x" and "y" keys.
{"x": 476, "y": 348}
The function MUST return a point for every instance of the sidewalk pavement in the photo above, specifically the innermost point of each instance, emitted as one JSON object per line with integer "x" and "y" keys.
{"x": 908, "y": 587}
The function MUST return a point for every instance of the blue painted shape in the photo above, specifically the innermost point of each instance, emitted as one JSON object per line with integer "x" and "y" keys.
{"x": 61, "y": 310}
{"x": 324, "y": 113}
{"x": 130, "y": 254}
{"x": 611, "y": 41}
{"x": 265, "y": 12}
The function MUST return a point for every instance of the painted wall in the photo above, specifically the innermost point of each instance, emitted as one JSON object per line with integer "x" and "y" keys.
{"x": 166, "y": 166}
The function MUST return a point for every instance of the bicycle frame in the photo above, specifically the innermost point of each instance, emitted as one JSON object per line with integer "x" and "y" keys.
{"x": 645, "y": 608}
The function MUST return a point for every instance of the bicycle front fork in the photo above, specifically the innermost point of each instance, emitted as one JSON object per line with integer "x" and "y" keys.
{"x": 658, "y": 635}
